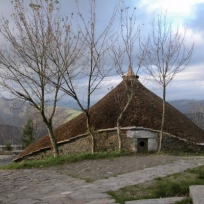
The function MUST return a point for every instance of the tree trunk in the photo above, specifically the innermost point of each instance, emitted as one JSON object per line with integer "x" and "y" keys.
{"x": 130, "y": 96}
{"x": 91, "y": 132}
{"x": 52, "y": 140}
{"x": 119, "y": 133}
{"x": 163, "y": 119}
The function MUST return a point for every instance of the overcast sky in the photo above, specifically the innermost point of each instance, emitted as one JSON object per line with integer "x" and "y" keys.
{"x": 189, "y": 84}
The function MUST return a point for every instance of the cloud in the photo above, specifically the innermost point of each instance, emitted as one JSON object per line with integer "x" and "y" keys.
{"x": 188, "y": 13}
{"x": 180, "y": 90}
{"x": 195, "y": 26}
{"x": 187, "y": 84}
{"x": 180, "y": 8}
{"x": 191, "y": 73}
{"x": 195, "y": 22}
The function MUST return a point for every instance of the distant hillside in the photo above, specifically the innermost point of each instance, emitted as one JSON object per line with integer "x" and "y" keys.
{"x": 185, "y": 106}
{"x": 15, "y": 113}
{"x": 193, "y": 109}
{"x": 10, "y": 135}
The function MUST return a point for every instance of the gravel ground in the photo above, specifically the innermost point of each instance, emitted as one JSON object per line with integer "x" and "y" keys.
{"x": 104, "y": 168}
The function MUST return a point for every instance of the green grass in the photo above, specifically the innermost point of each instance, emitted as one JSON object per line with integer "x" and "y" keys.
{"x": 169, "y": 186}
{"x": 51, "y": 161}
{"x": 185, "y": 201}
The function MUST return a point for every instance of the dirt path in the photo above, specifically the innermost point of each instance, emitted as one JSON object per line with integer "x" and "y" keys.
{"x": 104, "y": 168}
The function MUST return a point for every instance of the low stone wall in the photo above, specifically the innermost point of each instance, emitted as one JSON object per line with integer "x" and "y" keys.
{"x": 11, "y": 147}
{"x": 174, "y": 144}
{"x": 76, "y": 145}
{"x": 106, "y": 140}
{"x": 38, "y": 155}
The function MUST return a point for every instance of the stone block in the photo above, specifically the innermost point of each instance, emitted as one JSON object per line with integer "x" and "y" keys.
{"x": 197, "y": 194}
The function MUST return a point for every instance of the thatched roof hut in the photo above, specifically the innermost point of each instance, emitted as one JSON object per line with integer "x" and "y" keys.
{"x": 145, "y": 110}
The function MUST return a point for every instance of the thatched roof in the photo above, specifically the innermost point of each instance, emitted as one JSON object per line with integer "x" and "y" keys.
{"x": 145, "y": 110}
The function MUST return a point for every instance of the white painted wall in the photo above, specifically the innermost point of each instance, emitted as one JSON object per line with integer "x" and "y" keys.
{"x": 152, "y": 138}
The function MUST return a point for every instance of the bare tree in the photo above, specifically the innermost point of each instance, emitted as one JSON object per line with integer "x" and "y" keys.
{"x": 167, "y": 55}
{"x": 92, "y": 67}
{"x": 128, "y": 52}
{"x": 26, "y": 58}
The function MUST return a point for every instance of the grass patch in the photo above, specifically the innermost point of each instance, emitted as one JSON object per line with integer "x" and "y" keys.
{"x": 185, "y": 201}
{"x": 51, "y": 161}
{"x": 169, "y": 186}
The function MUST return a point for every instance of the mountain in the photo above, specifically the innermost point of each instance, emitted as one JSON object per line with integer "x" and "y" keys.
{"x": 193, "y": 109}
{"x": 15, "y": 113}
{"x": 186, "y": 106}
{"x": 10, "y": 135}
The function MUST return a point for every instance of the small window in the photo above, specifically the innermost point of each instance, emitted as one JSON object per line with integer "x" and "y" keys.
{"x": 142, "y": 144}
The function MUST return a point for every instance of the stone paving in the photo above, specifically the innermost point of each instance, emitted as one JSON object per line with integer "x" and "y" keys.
{"x": 197, "y": 194}
{"x": 156, "y": 201}
{"x": 46, "y": 186}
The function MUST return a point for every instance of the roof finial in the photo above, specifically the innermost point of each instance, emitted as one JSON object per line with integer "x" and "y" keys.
{"x": 130, "y": 74}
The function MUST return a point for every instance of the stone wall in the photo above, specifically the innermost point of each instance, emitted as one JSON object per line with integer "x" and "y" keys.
{"x": 106, "y": 140}
{"x": 175, "y": 144}
{"x": 76, "y": 145}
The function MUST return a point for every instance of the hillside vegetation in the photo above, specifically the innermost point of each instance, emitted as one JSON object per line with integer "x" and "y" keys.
{"x": 15, "y": 113}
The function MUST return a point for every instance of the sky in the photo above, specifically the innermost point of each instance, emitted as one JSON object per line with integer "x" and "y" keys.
{"x": 187, "y": 14}
{"x": 189, "y": 83}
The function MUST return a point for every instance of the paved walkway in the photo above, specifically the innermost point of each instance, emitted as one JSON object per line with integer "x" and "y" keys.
{"x": 156, "y": 201}
{"x": 46, "y": 186}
